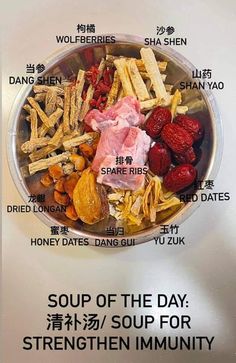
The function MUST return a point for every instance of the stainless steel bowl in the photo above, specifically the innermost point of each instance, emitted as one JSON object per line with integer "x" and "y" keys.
{"x": 66, "y": 63}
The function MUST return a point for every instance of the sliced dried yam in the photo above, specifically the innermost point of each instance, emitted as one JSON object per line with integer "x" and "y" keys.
{"x": 149, "y": 104}
{"x": 122, "y": 70}
{"x": 113, "y": 94}
{"x": 150, "y": 63}
{"x": 137, "y": 81}
{"x": 182, "y": 110}
{"x": 139, "y": 62}
{"x": 45, "y": 163}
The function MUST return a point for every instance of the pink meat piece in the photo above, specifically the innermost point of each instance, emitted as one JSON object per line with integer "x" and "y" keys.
{"x": 110, "y": 143}
{"x": 122, "y": 180}
{"x": 125, "y": 142}
{"x": 125, "y": 112}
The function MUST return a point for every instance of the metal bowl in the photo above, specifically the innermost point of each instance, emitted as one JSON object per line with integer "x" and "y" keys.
{"x": 67, "y": 63}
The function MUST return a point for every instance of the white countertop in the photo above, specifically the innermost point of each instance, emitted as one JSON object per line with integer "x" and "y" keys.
{"x": 204, "y": 269}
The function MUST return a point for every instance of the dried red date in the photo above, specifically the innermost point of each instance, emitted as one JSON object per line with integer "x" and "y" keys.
{"x": 155, "y": 122}
{"x": 159, "y": 159}
{"x": 180, "y": 177}
{"x": 191, "y": 125}
{"x": 188, "y": 158}
{"x": 177, "y": 138}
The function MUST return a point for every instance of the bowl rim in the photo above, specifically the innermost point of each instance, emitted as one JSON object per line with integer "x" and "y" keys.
{"x": 145, "y": 235}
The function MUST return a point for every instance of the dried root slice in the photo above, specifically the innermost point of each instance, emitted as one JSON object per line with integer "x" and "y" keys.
{"x": 61, "y": 198}
{"x": 72, "y": 108}
{"x": 50, "y": 101}
{"x": 34, "y": 144}
{"x": 182, "y": 110}
{"x": 137, "y": 81}
{"x": 150, "y": 63}
{"x": 53, "y": 119}
{"x": 42, "y": 153}
{"x": 145, "y": 76}
{"x": 86, "y": 104}
{"x": 71, "y": 212}
{"x": 33, "y": 124}
{"x": 60, "y": 102}
{"x": 122, "y": 70}
{"x": 78, "y": 92}
{"x": 149, "y": 104}
{"x": 27, "y": 108}
{"x": 176, "y": 100}
{"x": 45, "y": 163}
{"x": 55, "y": 171}
{"x": 66, "y": 114}
{"x": 113, "y": 94}
{"x": 139, "y": 62}
{"x": 44, "y": 88}
{"x": 40, "y": 112}
{"x": 79, "y": 140}
{"x": 40, "y": 97}
{"x": 56, "y": 140}
{"x": 46, "y": 180}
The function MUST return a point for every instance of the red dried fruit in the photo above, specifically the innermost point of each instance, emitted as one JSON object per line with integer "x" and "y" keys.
{"x": 87, "y": 128}
{"x": 155, "y": 122}
{"x": 192, "y": 125}
{"x": 180, "y": 177}
{"x": 177, "y": 138}
{"x": 188, "y": 158}
{"x": 159, "y": 159}
{"x": 93, "y": 102}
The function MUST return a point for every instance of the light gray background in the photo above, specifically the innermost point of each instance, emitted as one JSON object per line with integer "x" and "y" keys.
{"x": 204, "y": 269}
